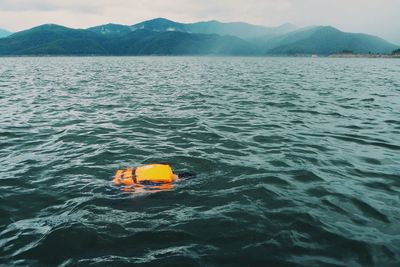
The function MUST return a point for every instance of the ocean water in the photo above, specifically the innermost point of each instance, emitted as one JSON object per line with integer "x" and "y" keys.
{"x": 296, "y": 161}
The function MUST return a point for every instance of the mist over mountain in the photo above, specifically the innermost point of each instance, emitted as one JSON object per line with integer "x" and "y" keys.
{"x": 4, "y": 33}
{"x": 165, "y": 37}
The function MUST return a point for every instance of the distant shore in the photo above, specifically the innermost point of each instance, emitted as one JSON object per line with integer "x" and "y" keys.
{"x": 348, "y": 55}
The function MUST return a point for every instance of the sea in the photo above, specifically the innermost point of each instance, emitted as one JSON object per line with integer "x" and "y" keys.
{"x": 292, "y": 161}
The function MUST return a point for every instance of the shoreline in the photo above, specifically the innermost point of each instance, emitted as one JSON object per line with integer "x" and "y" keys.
{"x": 364, "y": 56}
{"x": 378, "y": 56}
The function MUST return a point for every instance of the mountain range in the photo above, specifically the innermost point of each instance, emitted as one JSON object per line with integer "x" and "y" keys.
{"x": 165, "y": 37}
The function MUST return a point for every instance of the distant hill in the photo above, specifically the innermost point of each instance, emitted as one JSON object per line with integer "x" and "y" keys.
{"x": 4, "y": 33}
{"x": 161, "y": 25}
{"x": 52, "y": 39}
{"x": 326, "y": 40}
{"x": 166, "y": 37}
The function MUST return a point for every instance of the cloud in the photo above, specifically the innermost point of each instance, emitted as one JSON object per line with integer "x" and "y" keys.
{"x": 371, "y": 16}
{"x": 49, "y": 5}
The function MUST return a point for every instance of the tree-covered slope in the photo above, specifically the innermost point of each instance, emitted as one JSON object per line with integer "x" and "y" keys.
{"x": 52, "y": 39}
{"x": 59, "y": 40}
{"x": 145, "y": 42}
{"x": 326, "y": 40}
{"x": 111, "y": 29}
{"x": 164, "y": 37}
{"x": 160, "y": 25}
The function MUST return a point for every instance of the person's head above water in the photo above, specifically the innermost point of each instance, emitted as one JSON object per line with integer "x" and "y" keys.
{"x": 155, "y": 173}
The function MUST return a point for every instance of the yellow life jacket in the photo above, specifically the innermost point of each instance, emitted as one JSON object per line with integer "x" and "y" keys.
{"x": 157, "y": 173}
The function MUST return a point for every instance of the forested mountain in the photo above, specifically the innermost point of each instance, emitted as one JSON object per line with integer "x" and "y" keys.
{"x": 166, "y": 37}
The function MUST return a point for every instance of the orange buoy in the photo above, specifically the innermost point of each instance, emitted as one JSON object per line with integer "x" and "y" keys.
{"x": 156, "y": 173}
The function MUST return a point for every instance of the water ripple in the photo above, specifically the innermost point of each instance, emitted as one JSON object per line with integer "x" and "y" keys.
{"x": 295, "y": 160}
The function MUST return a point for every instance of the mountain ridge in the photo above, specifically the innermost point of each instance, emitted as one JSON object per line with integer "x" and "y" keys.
{"x": 166, "y": 37}
{"x": 239, "y": 29}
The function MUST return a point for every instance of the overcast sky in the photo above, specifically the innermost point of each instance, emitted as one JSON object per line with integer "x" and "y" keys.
{"x": 380, "y": 17}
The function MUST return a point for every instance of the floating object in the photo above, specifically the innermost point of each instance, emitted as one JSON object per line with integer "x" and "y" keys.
{"x": 153, "y": 173}
{"x": 158, "y": 173}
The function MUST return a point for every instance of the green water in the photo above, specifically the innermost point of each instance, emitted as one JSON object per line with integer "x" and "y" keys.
{"x": 296, "y": 161}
